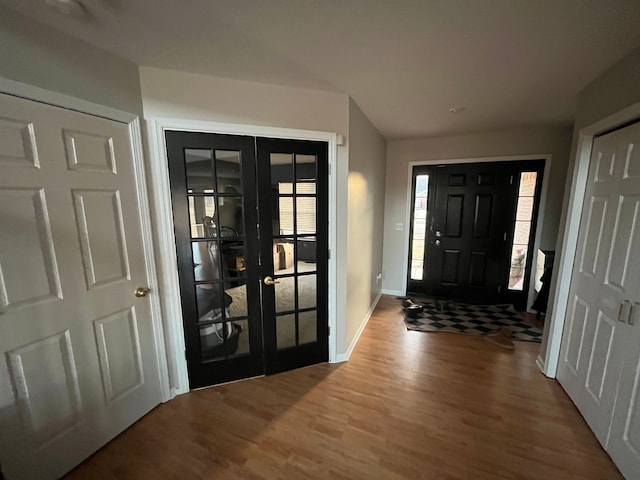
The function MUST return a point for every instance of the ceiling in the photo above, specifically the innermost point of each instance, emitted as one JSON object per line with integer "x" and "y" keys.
{"x": 406, "y": 63}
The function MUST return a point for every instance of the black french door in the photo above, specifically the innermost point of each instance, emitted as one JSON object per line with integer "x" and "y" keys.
{"x": 294, "y": 245}
{"x": 252, "y": 254}
{"x": 478, "y": 224}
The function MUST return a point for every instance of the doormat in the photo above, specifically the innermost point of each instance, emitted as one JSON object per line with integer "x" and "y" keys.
{"x": 472, "y": 320}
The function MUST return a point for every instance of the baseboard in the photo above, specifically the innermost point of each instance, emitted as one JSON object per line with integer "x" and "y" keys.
{"x": 343, "y": 357}
{"x": 397, "y": 293}
{"x": 540, "y": 364}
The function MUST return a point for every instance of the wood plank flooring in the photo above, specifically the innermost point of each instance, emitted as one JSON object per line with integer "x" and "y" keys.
{"x": 408, "y": 405}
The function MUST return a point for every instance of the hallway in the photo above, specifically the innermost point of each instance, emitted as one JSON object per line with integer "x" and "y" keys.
{"x": 407, "y": 405}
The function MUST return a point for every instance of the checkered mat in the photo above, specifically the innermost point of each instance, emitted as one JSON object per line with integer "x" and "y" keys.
{"x": 473, "y": 320}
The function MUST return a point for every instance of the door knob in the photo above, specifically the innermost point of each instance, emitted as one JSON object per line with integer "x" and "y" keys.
{"x": 438, "y": 242}
{"x": 141, "y": 292}
{"x": 270, "y": 281}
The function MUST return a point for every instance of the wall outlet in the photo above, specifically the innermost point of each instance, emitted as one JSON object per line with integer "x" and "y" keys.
{"x": 399, "y": 226}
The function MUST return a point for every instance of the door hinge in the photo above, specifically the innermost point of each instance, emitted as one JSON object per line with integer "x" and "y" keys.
{"x": 328, "y": 169}
{"x": 329, "y": 331}
{"x": 329, "y": 254}
{"x": 499, "y": 288}
{"x": 511, "y": 180}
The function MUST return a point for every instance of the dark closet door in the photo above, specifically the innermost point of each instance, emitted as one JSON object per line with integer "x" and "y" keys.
{"x": 213, "y": 190}
{"x": 293, "y": 191}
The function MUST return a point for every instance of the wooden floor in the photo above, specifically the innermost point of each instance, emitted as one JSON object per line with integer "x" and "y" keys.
{"x": 408, "y": 405}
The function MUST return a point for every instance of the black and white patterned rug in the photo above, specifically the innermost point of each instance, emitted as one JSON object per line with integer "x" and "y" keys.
{"x": 472, "y": 320}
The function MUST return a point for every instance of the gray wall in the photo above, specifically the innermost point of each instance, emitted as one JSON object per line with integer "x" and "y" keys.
{"x": 367, "y": 165}
{"x": 39, "y": 55}
{"x": 553, "y": 141}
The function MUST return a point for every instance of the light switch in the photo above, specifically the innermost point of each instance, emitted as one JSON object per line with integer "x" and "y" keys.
{"x": 399, "y": 226}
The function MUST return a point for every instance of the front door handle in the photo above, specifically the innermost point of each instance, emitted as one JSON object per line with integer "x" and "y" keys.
{"x": 270, "y": 281}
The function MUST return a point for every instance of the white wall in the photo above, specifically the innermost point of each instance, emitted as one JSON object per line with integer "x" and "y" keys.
{"x": 179, "y": 95}
{"x": 39, "y": 55}
{"x": 614, "y": 90}
{"x": 553, "y": 141}
{"x": 367, "y": 161}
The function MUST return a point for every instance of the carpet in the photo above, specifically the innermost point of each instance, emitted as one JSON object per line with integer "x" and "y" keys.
{"x": 472, "y": 320}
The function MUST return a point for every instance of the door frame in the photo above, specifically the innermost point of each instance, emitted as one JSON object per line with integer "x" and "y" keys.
{"x": 502, "y": 158}
{"x": 566, "y": 246}
{"x": 164, "y": 234}
{"x": 29, "y": 92}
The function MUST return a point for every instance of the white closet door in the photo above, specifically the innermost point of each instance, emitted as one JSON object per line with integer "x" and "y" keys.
{"x": 78, "y": 362}
{"x": 624, "y": 439}
{"x": 593, "y": 351}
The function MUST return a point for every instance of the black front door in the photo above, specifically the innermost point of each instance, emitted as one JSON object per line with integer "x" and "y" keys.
{"x": 233, "y": 233}
{"x": 479, "y": 230}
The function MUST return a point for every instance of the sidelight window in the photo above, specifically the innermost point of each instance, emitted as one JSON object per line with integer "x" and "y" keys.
{"x": 522, "y": 229}
{"x": 419, "y": 222}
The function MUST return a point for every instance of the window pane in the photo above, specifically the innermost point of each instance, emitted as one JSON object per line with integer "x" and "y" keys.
{"x": 285, "y": 331}
{"x": 419, "y": 226}
{"x": 528, "y": 184}
{"x": 202, "y": 216}
{"x": 305, "y": 215}
{"x": 307, "y": 327}
{"x": 228, "y": 171}
{"x": 305, "y": 167}
{"x": 521, "y": 233}
{"x": 281, "y": 169}
{"x": 206, "y": 260}
{"x": 285, "y": 294}
{"x": 307, "y": 287}
{"x": 199, "y": 170}
{"x": 525, "y": 208}
{"x": 518, "y": 263}
{"x": 211, "y": 301}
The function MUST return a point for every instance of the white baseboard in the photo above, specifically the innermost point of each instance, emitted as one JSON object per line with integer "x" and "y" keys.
{"x": 397, "y": 293}
{"x": 343, "y": 357}
{"x": 540, "y": 364}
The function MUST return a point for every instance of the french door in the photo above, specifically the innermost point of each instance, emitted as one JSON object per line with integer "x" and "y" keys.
{"x": 472, "y": 230}
{"x": 251, "y": 224}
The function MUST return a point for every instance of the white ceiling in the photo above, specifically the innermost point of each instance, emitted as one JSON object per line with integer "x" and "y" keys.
{"x": 510, "y": 63}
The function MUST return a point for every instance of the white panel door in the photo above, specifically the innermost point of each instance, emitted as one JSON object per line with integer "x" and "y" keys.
{"x": 624, "y": 439}
{"x": 78, "y": 361}
{"x": 592, "y": 356}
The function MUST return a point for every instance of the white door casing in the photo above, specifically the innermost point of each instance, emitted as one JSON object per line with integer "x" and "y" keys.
{"x": 596, "y": 344}
{"x": 79, "y": 362}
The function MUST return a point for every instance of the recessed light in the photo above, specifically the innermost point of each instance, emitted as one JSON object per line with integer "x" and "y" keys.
{"x": 457, "y": 109}
{"x": 71, "y": 8}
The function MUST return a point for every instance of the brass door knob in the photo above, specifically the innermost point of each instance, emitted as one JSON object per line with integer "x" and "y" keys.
{"x": 141, "y": 292}
{"x": 270, "y": 281}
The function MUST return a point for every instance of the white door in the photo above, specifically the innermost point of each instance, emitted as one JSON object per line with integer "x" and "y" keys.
{"x": 78, "y": 361}
{"x": 605, "y": 281}
{"x": 624, "y": 439}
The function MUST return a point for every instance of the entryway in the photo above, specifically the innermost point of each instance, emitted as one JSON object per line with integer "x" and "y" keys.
{"x": 472, "y": 230}
{"x": 251, "y": 226}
